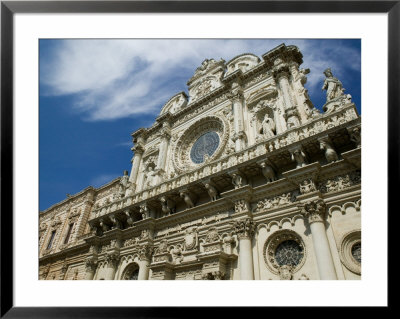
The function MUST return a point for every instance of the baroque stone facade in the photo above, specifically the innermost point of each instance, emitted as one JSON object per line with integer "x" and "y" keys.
{"x": 243, "y": 178}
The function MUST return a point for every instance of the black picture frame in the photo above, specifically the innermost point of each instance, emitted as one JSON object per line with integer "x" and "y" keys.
{"x": 9, "y": 8}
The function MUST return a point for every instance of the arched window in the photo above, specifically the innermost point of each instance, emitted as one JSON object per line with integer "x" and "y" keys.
{"x": 131, "y": 272}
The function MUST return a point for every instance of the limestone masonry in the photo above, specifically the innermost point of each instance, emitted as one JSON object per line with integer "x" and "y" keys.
{"x": 243, "y": 178}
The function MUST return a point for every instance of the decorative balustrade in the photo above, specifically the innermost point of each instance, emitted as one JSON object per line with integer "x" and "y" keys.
{"x": 292, "y": 136}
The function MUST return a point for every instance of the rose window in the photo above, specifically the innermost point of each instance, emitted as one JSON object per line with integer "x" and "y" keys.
{"x": 356, "y": 252}
{"x": 288, "y": 252}
{"x": 206, "y": 144}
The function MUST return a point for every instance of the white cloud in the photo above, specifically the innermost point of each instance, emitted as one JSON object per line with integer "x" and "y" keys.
{"x": 112, "y": 79}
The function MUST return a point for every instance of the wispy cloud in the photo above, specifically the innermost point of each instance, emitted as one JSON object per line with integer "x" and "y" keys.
{"x": 112, "y": 79}
{"x": 102, "y": 179}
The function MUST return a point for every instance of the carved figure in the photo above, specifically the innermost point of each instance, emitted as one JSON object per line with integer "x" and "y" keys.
{"x": 237, "y": 180}
{"x": 123, "y": 184}
{"x": 186, "y": 197}
{"x": 212, "y": 191}
{"x": 150, "y": 176}
{"x": 285, "y": 272}
{"x": 144, "y": 210}
{"x": 330, "y": 153}
{"x": 176, "y": 253}
{"x": 212, "y": 236}
{"x": 167, "y": 206}
{"x": 300, "y": 158}
{"x": 330, "y": 185}
{"x": 332, "y": 85}
{"x": 268, "y": 172}
{"x": 355, "y": 136}
{"x": 307, "y": 186}
{"x": 267, "y": 127}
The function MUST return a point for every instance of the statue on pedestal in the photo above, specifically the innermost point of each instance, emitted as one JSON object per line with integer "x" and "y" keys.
{"x": 267, "y": 127}
{"x": 332, "y": 85}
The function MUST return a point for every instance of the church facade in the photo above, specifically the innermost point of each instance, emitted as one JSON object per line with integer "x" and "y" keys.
{"x": 240, "y": 179}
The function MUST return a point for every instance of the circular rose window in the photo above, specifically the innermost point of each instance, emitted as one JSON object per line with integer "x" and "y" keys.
{"x": 289, "y": 253}
{"x": 206, "y": 144}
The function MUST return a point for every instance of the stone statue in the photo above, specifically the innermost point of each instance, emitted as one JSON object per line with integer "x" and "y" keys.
{"x": 330, "y": 153}
{"x": 307, "y": 186}
{"x": 267, "y": 126}
{"x": 150, "y": 176}
{"x": 268, "y": 172}
{"x": 212, "y": 191}
{"x": 237, "y": 180}
{"x": 332, "y": 85}
{"x": 167, "y": 206}
{"x": 123, "y": 184}
{"x": 300, "y": 158}
{"x": 188, "y": 200}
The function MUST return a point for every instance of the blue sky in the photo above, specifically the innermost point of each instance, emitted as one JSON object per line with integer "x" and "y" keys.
{"x": 95, "y": 93}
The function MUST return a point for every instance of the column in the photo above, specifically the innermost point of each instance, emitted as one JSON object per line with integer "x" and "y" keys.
{"x": 163, "y": 150}
{"x": 281, "y": 74}
{"x": 112, "y": 263}
{"x": 237, "y": 104}
{"x": 137, "y": 158}
{"x": 90, "y": 268}
{"x": 315, "y": 212}
{"x": 244, "y": 229}
{"x": 145, "y": 254}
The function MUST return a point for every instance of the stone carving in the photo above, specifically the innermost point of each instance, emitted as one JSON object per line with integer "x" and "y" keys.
{"x": 190, "y": 239}
{"x": 307, "y": 186}
{"x": 291, "y": 116}
{"x": 335, "y": 97}
{"x": 144, "y": 211}
{"x": 212, "y": 235}
{"x": 274, "y": 202}
{"x": 241, "y": 206}
{"x": 187, "y": 197}
{"x": 244, "y": 228}
{"x": 315, "y": 210}
{"x": 150, "y": 177}
{"x": 131, "y": 242}
{"x": 163, "y": 247}
{"x": 167, "y": 206}
{"x": 268, "y": 172}
{"x": 215, "y": 275}
{"x": 303, "y": 277}
{"x": 115, "y": 221}
{"x": 332, "y": 85}
{"x": 123, "y": 184}
{"x": 228, "y": 242}
{"x": 212, "y": 191}
{"x": 238, "y": 180}
{"x": 285, "y": 272}
{"x": 267, "y": 127}
{"x": 103, "y": 225}
{"x": 176, "y": 253}
{"x": 145, "y": 252}
{"x": 299, "y": 156}
{"x": 355, "y": 136}
{"x": 340, "y": 182}
{"x": 330, "y": 153}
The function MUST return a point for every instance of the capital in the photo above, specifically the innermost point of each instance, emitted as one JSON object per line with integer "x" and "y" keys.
{"x": 244, "y": 228}
{"x": 90, "y": 264}
{"x": 138, "y": 149}
{"x": 112, "y": 259}
{"x": 145, "y": 252}
{"x": 315, "y": 210}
